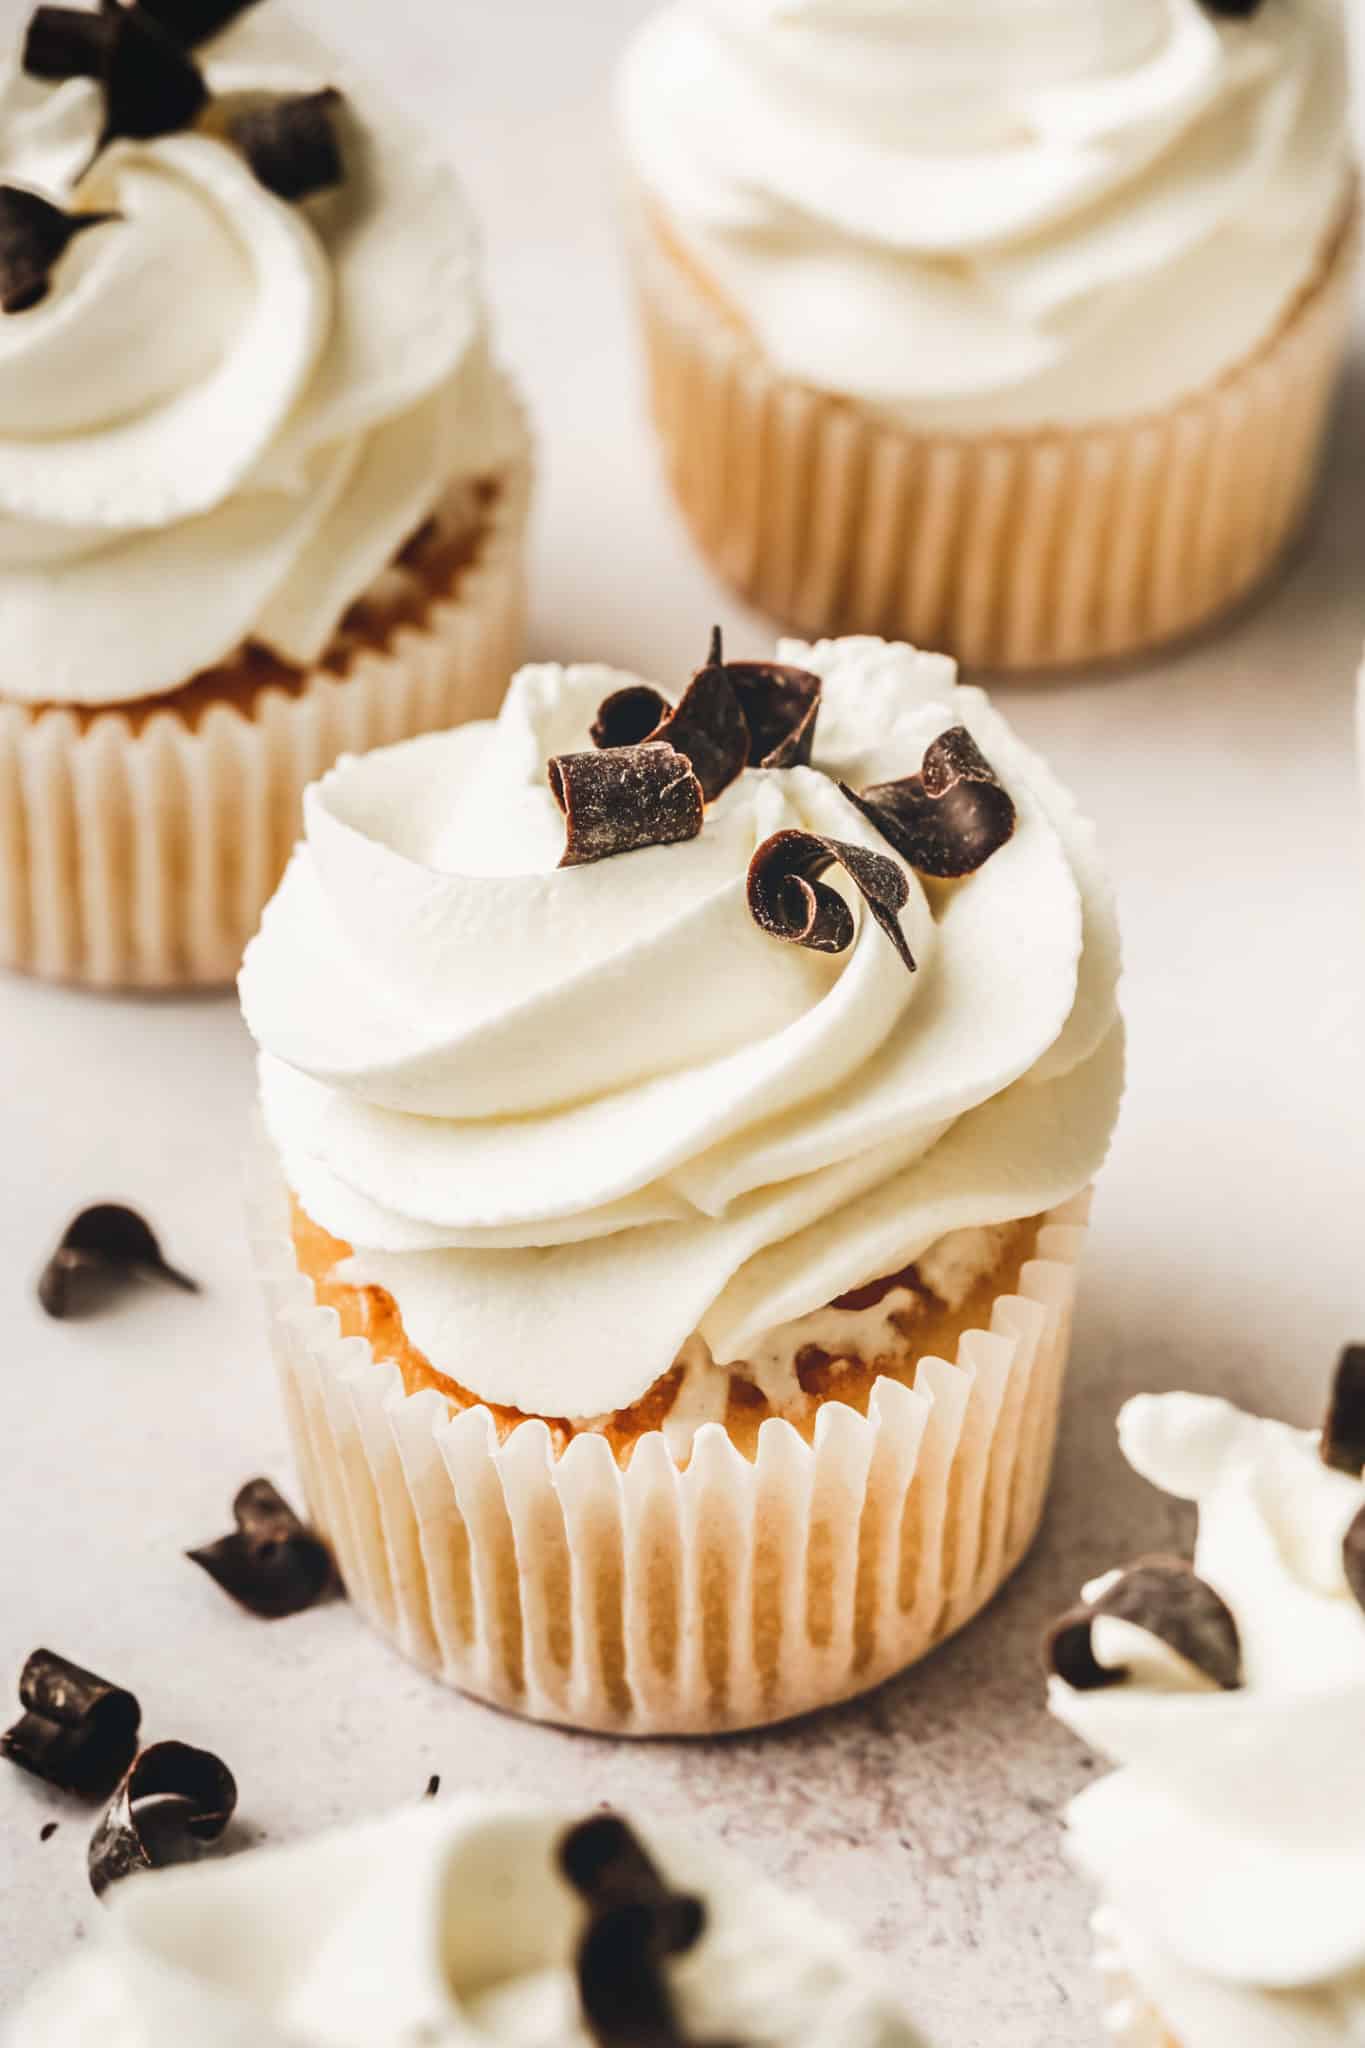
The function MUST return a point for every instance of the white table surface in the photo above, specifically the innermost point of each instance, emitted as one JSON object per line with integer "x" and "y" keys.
{"x": 1227, "y": 1249}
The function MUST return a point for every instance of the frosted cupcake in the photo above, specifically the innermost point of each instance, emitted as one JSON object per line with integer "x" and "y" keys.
{"x": 466, "y": 1925}
{"x": 685, "y": 1115}
{"x": 262, "y": 491}
{"x": 1010, "y": 331}
{"x": 1229, "y": 1844}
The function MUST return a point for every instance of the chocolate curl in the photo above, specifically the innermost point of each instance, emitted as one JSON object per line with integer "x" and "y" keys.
{"x": 102, "y": 1250}
{"x": 152, "y": 86}
{"x": 174, "y": 1803}
{"x": 34, "y": 234}
{"x": 624, "y": 799}
{"x": 1353, "y": 1558}
{"x": 66, "y": 42}
{"x": 1343, "y": 1431}
{"x": 1164, "y": 1597}
{"x": 195, "y": 21}
{"x": 629, "y": 717}
{"x": 949, "y": 819}
{"x": 788, "y": 900}
{"x": 271, "y": 1564}
{"x": 291, "y": 143}
{"x": 78, "y": 1731}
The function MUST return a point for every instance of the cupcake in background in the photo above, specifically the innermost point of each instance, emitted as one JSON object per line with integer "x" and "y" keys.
{"x": 1005, "y": 330}
{"x": 1229, "y": 1844}
{"x": 681, "y": 1119}
{"x": 262, "y": 488}
{"x": 467, "y": 1924}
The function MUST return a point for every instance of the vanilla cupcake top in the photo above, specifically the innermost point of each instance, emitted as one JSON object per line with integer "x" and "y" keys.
{"x": 572, "y": 1104}
{"x": 469, "y": 1924}
{"x": 1009, "y": 213}
{"x": 224, "y": 408}
{"x": 1230, "y": 1843}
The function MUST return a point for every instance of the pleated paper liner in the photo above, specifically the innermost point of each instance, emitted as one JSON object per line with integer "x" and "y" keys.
{"x": 1011, "y": 551}
{"x": 654, "y": 1600}
{"x": 141, "y": 852}
{"x": 1129, "y": 2021}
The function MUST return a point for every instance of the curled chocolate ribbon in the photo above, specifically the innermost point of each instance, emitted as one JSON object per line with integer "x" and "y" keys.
{"x": 1343, "y": 1430}
{"x": 77, "y": 1732}
{"x": 1165, "y": 1598}
{"x": 271, "y": 1564}
{"x": 619, "y": 800}
{"x": 34, "y": 234}
{"x": 788, "y": 900}
{"x": 947, "y": 820}
{"x": 290, "y": 142}
{"x": 102, "y": 1250}
{"x": 174, "y": 1802}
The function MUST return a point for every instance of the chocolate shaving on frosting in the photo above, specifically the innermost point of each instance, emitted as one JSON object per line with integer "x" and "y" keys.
{"x": 1353, "y": 1558}
{"x": 788, "y": 899}
{"x": 629, "y": 717}
{"x": 624, "y": 798}
{"x": 1343, "y": 1431}
{"x": 152, "y": 86}
{"x": 173, "y": 1803}
{"x": 271, "y": 1564}
{"x": 1164, "y": 1597}
{"x": 101, "y": 1250}
{"x": 66, "y": 42}
{"x": 291, "y": 142}
{"x": 34, "y": 234}
{"x": 949, "y": 819}
{"x": 77, "y": 1731}
{"x": 195, "y": 21}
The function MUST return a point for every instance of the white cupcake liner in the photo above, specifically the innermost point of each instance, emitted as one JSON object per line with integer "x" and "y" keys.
{"x": 1009, "y": 550}
{"x": 654, "y": 1600}
{"x": 1130, "y": 2021}
{"x": 144, "y": 858}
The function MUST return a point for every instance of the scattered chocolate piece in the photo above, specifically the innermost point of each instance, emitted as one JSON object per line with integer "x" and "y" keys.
{"x": 271, "y": 1564}
{"x": 1234, "y": 10}
{"x": 152, "y": 85}
{"x": 433, "y": 1785}
{"x": 66, "y": 42}
{"x": 47, "y": 1830}
{"x": 1163, "y": 1596}
{"x": 195, "y": 21}
{"x": 636, "y": 1922}
{"x": 1343, "y": 1431}
{"x": 780, "y": 706}
{"x": 708, "y": 727}
{"x": 102, "y": 1249}
{"x": 173, "y": 1802}
{"x": 77, "y": 1732}
{"x": 1353, "y": 1558}
{"x": 787, "y": 898}
{"x": 291, "y": 142}
{"x": 629, "y": 717}
{"x": 34, "y": 234}
{"x": 625, "y": 798}
{"x": 949, "y": 819}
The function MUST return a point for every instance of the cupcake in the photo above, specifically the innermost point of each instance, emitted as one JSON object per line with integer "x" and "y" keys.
{"x": 1006, "y": 330}
{"x": 1229, "y": 1844}
{"x": 262, "y": 489}
{"x": 680, "y": 1119}
{"x": 465, "y": 1924}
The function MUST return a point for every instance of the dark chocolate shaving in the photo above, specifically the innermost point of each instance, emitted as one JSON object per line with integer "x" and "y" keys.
{"x": 629, "y": 717}
{"x": 66, "y": 42}
{"x": 625, "y": 798}
{"x": 949, "y": 819}
{"x": 291, "y": 143}
{"x": 788, "y": 899}
{"x": 708, "y": 727}
{"x": 152, "y": 85}
{"x": 433, "y": 1785}
{"x": 173, "y": 1803}
{"x": 1353, "y": 1558}
{"x": 195, "y": 21}
{"x": 271, "y": 1564}
{"x": 1164, "y": 1597}
{"x": 101, "y": 1250}
{"x": 1234, "y": 10}
{"x": 1343, "y": 1431}
{"x": 77, "y": 1731}
{"x": 34, "y": 234}
{"x": 48, "y": 1830}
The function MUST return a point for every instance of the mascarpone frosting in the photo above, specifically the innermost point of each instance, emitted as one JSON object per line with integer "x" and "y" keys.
{"x": 998, "y": 214}
{"x": 230, "y": 412}
{"x": 572, "y": 1117}
{"x": 1230, "y": 1843}
{"x": 448, "y": 1925}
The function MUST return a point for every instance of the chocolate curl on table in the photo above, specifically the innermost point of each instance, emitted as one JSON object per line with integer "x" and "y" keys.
{"x": 788, "y": 900}
{"x": 102, "y": 1250}
{"x": 1343, "y": 1431}
{"x": 1165, "y": 1598}
{"x": 271, "y": 1564}
{"x": 174, "y": 1803}
{"x": 947, "y": 820}
{"x": 34, "y": 235}
{"x": 77, "y": 1732}
{"x": 290, "y": 143}
{"x": 624, "y": 798}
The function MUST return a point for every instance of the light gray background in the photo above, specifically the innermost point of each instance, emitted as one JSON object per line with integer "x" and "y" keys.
{"x": 1228, "y": 1233}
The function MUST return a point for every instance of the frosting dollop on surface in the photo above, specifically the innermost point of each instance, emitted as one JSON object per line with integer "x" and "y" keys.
{"x": 230, "y": 412}
{"x": 571, "y": 1117}
{"x": 448, "y": 1925}
{"x": 1230, "y": 1843}
{"x": 996, "y": 215}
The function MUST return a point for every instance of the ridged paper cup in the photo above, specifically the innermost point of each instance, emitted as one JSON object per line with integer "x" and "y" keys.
{"x": 1011, "y": 551}
{"x": 139, "y": 851}
{"x": 1130, "y": 2021}
{"x": 649, "y": 1599}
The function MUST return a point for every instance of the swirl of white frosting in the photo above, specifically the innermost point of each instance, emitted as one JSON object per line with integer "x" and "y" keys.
{"x": 1231, "y": 1842}
{"x": 571, "y": 1116}
{"x": 229, "y": 412}
{"x": 449, "y": 1925}
{"x": 996, "y": 215}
